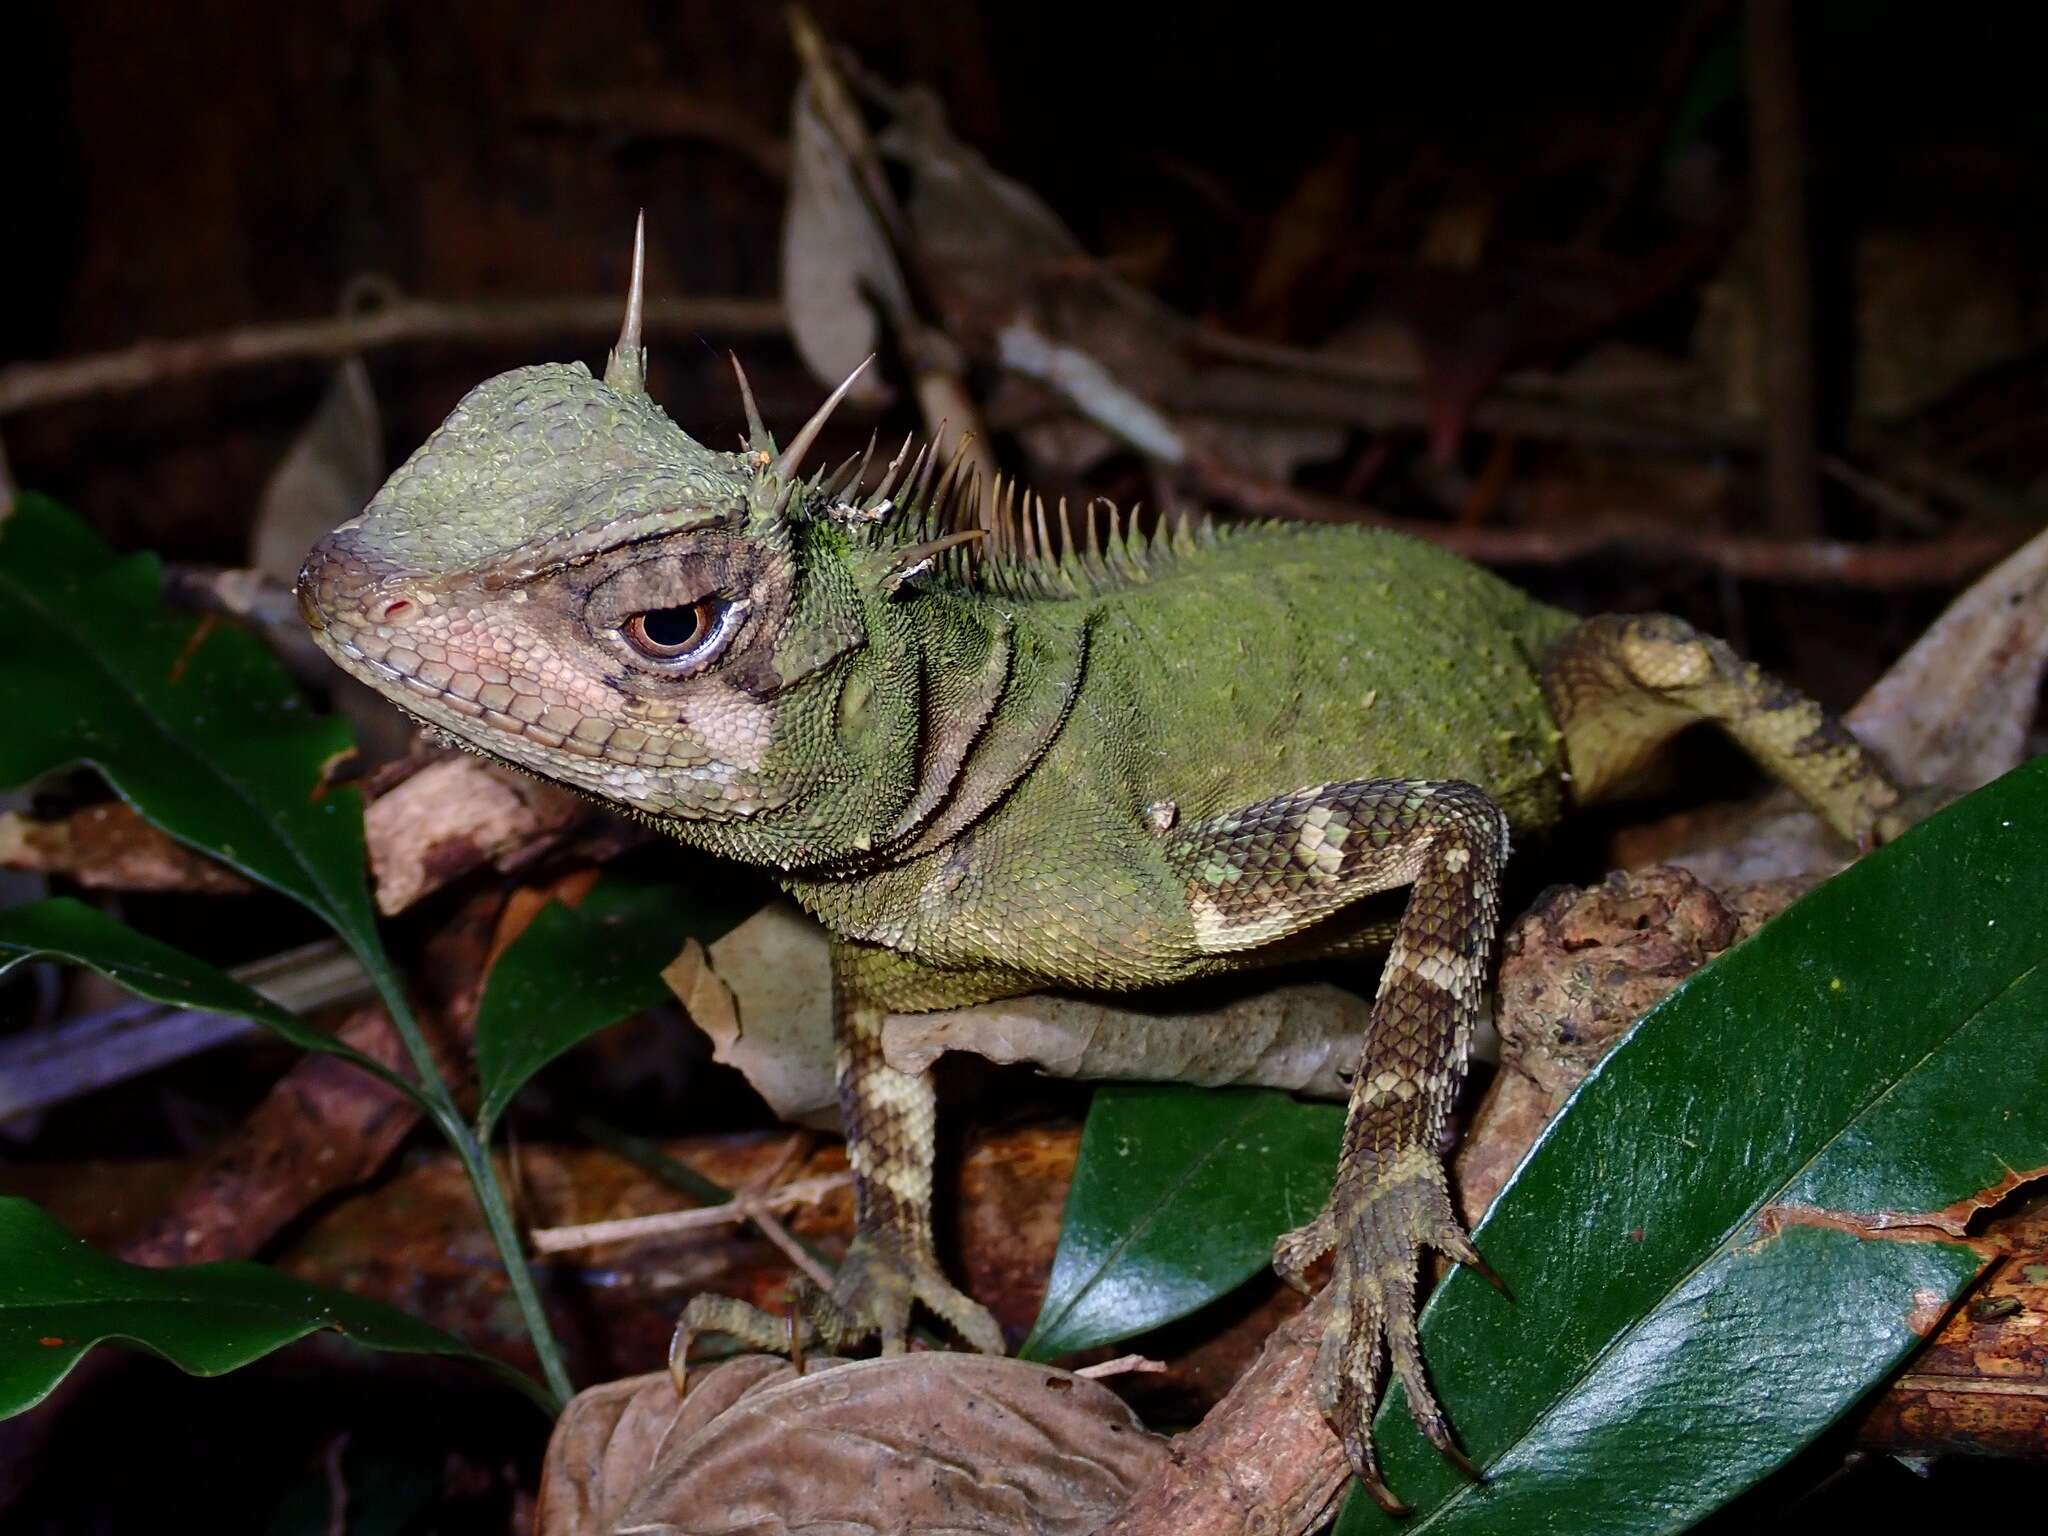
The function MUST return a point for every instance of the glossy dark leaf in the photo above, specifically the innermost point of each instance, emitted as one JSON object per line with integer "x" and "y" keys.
{"x": 71, "y": 931}
{"x": 1177, "y": 1196}
{"x": 191, "y": 720}
{"x": 58, "y": 1298}
{"x": 577, "y": 970}
{"x": 1753, "y": 1209}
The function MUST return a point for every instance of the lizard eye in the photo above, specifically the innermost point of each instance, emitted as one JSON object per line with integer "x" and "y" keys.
{"x": 694, "y": 632}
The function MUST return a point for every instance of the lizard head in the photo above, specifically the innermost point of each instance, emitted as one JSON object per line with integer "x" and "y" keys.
{"x": 561, "y": 579}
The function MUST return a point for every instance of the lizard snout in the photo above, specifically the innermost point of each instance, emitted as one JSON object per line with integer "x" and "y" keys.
{"x": 341, "y": 586}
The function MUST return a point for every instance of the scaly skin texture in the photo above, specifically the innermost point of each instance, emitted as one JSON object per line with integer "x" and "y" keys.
{"x": 1060, "y": 761}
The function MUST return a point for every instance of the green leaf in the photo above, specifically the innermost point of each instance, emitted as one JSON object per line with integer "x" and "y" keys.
{"x": 68, "y": 930}
{"x": 1177, "y": 1196}
{"x": 577, "y": 970}
{"x": 1750, "y": 1211}
{"x": 190, "y": 720}
{"x": 58, "y": 1298}
{"x": 197, "y": 727}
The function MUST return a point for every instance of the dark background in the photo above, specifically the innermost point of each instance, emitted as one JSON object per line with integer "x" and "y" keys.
{"x": 173, "y": 170}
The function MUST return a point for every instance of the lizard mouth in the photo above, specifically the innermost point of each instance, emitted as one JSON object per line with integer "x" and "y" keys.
{"x": 417, "y": 646}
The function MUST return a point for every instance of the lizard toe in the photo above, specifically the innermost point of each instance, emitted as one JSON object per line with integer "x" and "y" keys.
{"x": 743, "y": 1321}
{"x": 1294, "y": 1252}
{"x": 1383, "y": 1218}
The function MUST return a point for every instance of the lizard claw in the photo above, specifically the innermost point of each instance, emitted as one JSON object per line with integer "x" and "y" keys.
{"x": 745, "y": 1322}
{"x": 1378, "y": 1222}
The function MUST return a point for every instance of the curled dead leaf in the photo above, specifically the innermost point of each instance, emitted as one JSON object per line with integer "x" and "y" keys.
{"x": 763, "y": 995}
{"x": 919, "y": 1443}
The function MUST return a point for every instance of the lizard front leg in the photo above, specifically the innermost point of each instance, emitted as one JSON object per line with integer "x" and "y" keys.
{"x": 891, "y": 1124}
{"x": 890, "y": 1118}
{"x": 1270, "y": 871}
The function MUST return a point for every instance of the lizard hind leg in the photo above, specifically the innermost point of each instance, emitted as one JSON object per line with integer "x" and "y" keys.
{"x": 1264, "y": 875}
{"x": 1620, "y": 686}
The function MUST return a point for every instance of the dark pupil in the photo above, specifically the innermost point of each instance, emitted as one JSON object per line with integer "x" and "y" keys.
{"x": 668, "y": 627}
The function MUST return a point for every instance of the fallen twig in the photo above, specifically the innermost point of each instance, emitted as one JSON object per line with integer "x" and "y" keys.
{"x": 1940, "y": 562}
{"x": 745, "y": 1206}
{"x": 24, "y": 386}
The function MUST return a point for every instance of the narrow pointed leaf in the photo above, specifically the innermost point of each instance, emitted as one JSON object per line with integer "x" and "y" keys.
{"x": 1755, "y": 1207}
{"x": 577, "y": 970}
{"x": 190, "y": 720}
{"x": 1177, "y": 1196}
{"x": 58, "y": 1298}
{"x": 71, "y": 931}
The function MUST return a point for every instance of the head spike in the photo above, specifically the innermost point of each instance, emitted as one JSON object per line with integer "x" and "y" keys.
{"x": 1070, "y": 553}
{"x": 758, "y": 438}
{"x": 1009, "y": 531}
{"x": 1043, "y": 540}
{"x": 880, "y": 497}
{"x": 793, "y": 456}
{"x": 947, "y": 500}
{"x": 840, "y": 479}
{"x": 1093, "y": 517}
{"x": 1115, "y": 553}
{"x": 626, "y": 369}
{"x": 919, "y": 558}
{"x": 960, "y": 560}
{"x": 917, "y": 487}
{"x": 860, "y": 476}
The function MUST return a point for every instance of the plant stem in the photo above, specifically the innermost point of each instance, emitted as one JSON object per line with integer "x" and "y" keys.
{"x": 483, "y": 1178}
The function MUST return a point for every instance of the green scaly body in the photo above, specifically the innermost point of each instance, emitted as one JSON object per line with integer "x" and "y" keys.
{"x": 1243, "y": 667}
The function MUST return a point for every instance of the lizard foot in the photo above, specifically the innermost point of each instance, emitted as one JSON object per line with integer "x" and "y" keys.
{"x": 876, "y": 1285}
{"x": 1379, "y": 1220}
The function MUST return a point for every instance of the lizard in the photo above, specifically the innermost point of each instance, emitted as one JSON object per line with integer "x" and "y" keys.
{"x": 997, "y": 749}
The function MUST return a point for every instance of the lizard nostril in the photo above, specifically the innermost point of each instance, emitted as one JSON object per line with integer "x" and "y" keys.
{"x": 396, "y": 611}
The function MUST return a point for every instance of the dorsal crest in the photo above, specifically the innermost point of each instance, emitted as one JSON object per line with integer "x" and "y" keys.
{"x": 942, "y": 526}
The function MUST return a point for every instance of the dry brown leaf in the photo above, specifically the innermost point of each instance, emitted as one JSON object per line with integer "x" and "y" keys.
{"x": 110, "y": 847}
{"x": 763, "y": 995}
{"x": 332, "y": 469}
{"x": 836, "y": 258}
{"x": 924, "y": 1442}
{"x": 1297, "y": 1037}
{"x": 452, "y": 816}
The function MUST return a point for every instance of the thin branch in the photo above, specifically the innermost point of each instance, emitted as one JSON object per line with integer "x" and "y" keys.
{"x": 25, "y": 386}
{"x": 771, "y": 1227}
{"x": 1941, "y": 562}
{"x": 1124, "y": 1365}
{"x": 745, "y": 1206}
